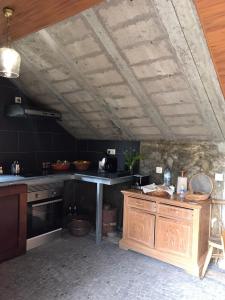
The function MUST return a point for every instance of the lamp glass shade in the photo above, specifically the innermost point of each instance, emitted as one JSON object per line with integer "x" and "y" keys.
{"x": 9, "y": 63}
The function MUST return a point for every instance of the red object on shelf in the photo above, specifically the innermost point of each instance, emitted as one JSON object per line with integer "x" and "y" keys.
{"x": 61, "y": 166}
{"x": 82, "y": 165}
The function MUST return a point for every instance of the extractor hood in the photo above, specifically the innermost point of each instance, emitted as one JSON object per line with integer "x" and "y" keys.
{"x": 22, "y": 111}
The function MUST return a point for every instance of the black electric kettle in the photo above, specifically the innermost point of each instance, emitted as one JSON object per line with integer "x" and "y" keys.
{"x": 108, "y": 163}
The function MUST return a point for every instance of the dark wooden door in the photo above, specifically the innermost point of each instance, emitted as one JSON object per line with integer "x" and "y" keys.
{"x": 12, "y": 221}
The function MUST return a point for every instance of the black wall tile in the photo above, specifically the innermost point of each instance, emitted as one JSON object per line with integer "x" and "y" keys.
{"x": 30, "y": 140}
{"x": 63, "y": 142}
{"x": 94, "y": 150}
{"x": 8, "y": 141}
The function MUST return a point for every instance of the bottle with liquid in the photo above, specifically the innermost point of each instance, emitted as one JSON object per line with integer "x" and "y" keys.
{"x": 182, "y": 193}
{"x": 15, "y": 168}
{"x": 181, "y": 183}
{"x": 167, "y": 175}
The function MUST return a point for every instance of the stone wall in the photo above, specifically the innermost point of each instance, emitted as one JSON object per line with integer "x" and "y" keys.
{"x": 190, "y": 157}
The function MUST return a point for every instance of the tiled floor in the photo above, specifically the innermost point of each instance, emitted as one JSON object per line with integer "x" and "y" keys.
{"x": 75, "y": 268}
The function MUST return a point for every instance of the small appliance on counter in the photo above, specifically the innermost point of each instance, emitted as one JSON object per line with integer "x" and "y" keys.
{"x": 108, "y": 164}
{"x": 140, "y": 180}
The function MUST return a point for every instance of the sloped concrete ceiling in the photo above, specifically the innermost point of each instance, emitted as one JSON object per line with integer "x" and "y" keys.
{"x": 127, "y": 69}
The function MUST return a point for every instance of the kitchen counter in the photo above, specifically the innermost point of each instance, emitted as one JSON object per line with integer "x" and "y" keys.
{"x": 99, "y": 179}
{"x": 6, "y": 180}
{"x": 103, "y": 178}
{"x": 88, "y": 176}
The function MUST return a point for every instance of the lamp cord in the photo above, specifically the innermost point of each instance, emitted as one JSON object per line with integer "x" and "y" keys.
{"x": 7, "y": 31}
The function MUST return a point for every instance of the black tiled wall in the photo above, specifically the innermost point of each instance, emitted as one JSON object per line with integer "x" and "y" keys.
{"x": 95, "y": 150}
{"x": 30, "y": 140}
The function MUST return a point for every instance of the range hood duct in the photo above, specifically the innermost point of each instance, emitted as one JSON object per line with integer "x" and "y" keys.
{"x": 21, "y": 111}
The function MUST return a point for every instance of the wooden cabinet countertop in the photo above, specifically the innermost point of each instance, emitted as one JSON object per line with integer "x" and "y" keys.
{"x": 172, "y": 201}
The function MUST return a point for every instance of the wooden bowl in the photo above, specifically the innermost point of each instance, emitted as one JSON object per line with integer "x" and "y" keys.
{"x": 159, "y": 193}
{"x": 60, "y": 166}
{"x": 79, "y": 227}
{"x": 196, "y": 196}
{"x": 82, "y": 165}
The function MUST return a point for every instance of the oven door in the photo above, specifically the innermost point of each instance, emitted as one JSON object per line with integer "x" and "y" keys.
{"x": 44, "y": 216}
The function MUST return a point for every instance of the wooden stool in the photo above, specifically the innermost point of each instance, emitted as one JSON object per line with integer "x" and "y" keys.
{"x": 218, "y": 244}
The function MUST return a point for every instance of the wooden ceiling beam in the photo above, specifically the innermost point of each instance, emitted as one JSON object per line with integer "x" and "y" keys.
{"x": 212, "y": 18}
{"x": 33, "y": 15}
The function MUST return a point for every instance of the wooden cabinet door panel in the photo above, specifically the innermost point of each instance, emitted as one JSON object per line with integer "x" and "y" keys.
{"x": 13, "y": 219}
{"x": 140, "y": 226}
{"x": 174, "y": 236}
{"x": 9, "y": 225}
{"x": 176, "y": 212}
{"x": 142, "y": 204}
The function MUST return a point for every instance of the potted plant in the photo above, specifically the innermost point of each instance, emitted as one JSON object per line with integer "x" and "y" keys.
{"x": 131, "y": 158}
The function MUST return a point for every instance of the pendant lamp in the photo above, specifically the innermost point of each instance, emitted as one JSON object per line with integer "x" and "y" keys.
{"x": 9, "y": 58}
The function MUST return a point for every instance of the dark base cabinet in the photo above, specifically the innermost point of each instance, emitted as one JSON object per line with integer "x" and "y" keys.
{"x": 13, "y": 220}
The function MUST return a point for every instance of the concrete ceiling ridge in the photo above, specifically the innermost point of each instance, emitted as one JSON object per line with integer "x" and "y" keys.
{"x": 203, "y": 60}
{"x": 125, "y": 11}
{"x": 75, "y": 72}
{"x": 170, "y": 19}
{"x": 125, "y": 70}
{"x": 150, "y": 62}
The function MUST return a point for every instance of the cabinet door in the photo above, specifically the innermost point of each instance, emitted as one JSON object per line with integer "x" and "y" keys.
{"x": 140, "y": 226}
{"x": 9, "y": 225}
{"x": 12, "y": 222}
{"x": 174, "y": 236}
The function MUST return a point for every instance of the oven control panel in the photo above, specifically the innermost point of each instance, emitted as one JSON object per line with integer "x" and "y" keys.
{"x": 41, "y": 192}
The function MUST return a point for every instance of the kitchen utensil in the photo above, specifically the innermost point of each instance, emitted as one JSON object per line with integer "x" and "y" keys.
{"x": 82, "y": 165}
{"x": 109, "y": 163}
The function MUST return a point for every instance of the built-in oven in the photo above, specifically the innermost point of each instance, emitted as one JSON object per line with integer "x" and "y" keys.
{"x": 44, "y": 213}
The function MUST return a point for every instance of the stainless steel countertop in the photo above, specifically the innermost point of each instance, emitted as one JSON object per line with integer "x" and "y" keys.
{"x": 87, "y": 176}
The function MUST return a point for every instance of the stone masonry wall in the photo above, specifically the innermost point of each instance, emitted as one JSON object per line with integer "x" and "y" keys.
{"x": 190, "y": 157}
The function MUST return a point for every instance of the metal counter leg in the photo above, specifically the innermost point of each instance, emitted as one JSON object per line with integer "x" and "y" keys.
{"x": 99, "y": 197}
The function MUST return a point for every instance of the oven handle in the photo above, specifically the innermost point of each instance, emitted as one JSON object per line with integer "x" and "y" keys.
{"x": 47, "y": 202}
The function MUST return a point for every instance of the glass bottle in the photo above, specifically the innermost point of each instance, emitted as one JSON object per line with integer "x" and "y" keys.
{"x": 167, "y": 176}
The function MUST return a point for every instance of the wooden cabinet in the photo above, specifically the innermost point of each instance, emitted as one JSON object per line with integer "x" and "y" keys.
{"x": 141, "y": 226}
{"x": 170, "y": 230}
{"x": 13, "y": 216}
{"x": 174, "y": 236}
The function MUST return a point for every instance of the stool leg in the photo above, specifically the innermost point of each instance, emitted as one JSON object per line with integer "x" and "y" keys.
{"x": 207, "y": 260}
